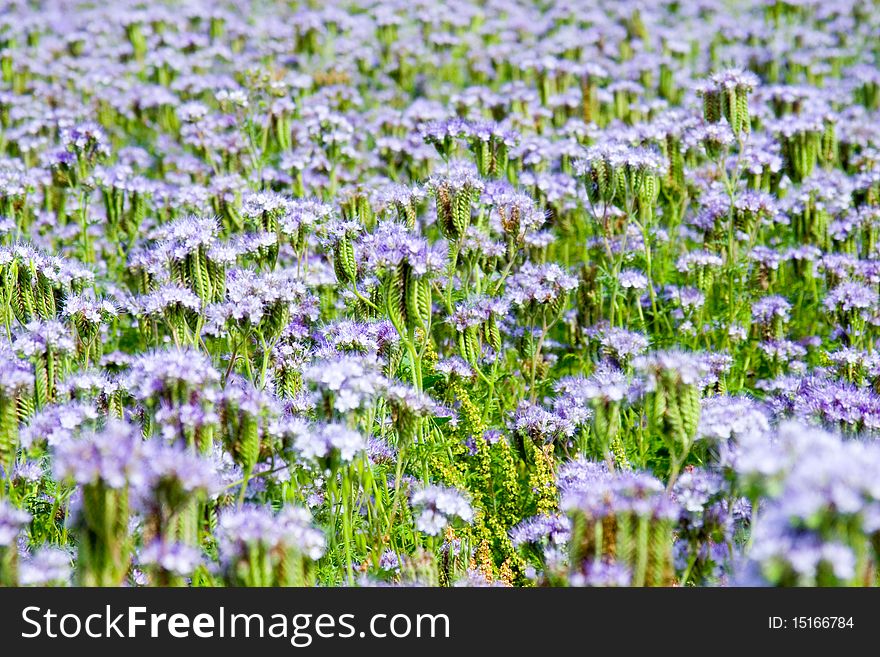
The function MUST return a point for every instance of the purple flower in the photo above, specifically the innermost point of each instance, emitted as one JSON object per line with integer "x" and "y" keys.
{"x": 351, "y": 380}
{"x": 172, "y": 470}
{"x": 325, "y": 441}
{"x": 30, "y": 471}
{"x": 48, "y": 566}
{"x": 454, "y": 365}
{"x": 12, "y": 521}
{"x": 539, "y": 284}
{"x": 389, "y": 561}
{"x": 174, "y": 558}
{"x": 701, "y": 496}
{"x": 540, "y": 425}
{"x": 621, "y": 344}
{"x": 16, "y": 375}
{"x": 437, "y": 506}
{"x": 771, "y": 308}
{"x": 163, "y": 374}
{"x": 58, "y": 423}
{"x": 606, "y": 385}
{"x": 631, "y": 279}
{"x": 86, "y": 140}
{"x": 603, "y": 494}
{"x": 602, "y": 573}
{"x": 186, "y": 236}
{"x": 363, "y": 337}
{"x": 240, "y": 530}
{"x": 818, "y": 481}
{"x": 685, "y": 367}
{"x": 838, "y": 403}
{"x": 42, "y": 337}
{"x": 727, "y": 420}
{"x": 695, "y": 260}
{"x": 170, "y": 298}
{"x": 115, "y": 457}
{"x": 851, "y": 296}
{"x": 93, "y": 311}
{"x": 391, "y": 244}
{"x": 553, "y": 529}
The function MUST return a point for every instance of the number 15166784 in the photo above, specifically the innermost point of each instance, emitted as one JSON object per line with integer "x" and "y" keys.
{"x": 810, "y": 623}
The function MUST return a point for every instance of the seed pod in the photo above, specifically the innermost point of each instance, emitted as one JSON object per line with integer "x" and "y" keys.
{"x": 666, "y": 83}
{"x": 395, "y": 300}
{"x": 501, "y": 158}
{"x": 729, "y": 109}
{"x": 424, "y": 300}
{"x": 676, "y": 162}
{"x": 281, "y": 125}
{"x": 445, "y": 212}
{"x": 705, "y": 278}
{"x": 45, "y": 297}
{"x": 415, "y": 314}
{"x": 619, "y": 182}
{"x": 113, "y": 202}
{"x": 828, "y": 151}
{"x": 275, "y": 321}
{"x": 606, "y": 426}
{"x": 405, "y": 422}
{"x": 712, "y": 105}
{"x": 205, "y": 274}
{"x": 115, "y": 406}
{"x": 634, "y": 178}
{"x": 648, "y": 190}
{"x": 461, "y": 212}
{"x": 248, "y": 447}
{"x": 10, "y": 276}
{"x": 408, "y": 211}
{"x": 196, "y": 267}
{"x": 655, "y": 407}
{"x": 8, "y": 434}
{"x": 742, "y": 109}
{"x": 217, "y": 276}
{"x": 41, "y": 386}
{"x": 25, "y": 305}
{"x": 463, "y": 347}
{"x": 483, "y": 157}
{"x": 493, "y": 335}
{"x": 673, "y": 427}
{"x": 689, "y": 404}
{"x": 344, "y": 262}
{"x": 177, "y": 270}
{"x": 472, "y": 345}
{"x": 288, "y": 382}
{"x": 555, "y": 306}
{"x": 814, "y": 144}
{"x": 590, "y": 94}
{"x": 598, "y": 186}
{"x": 138, "y": 210}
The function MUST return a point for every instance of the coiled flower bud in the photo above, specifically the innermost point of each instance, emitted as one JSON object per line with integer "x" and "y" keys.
{"x": 672, "y": 401}
{"x": 455, "y": 192}
{"x": 806, "y": 140}
{"x": 263, "y": 211}
{"x": 259, "y": 548}
{"x": 16, "y": 387}
{"x": 625, "y": 176}
{"x": 341, "y": 236}
{"x": 726, "y": 94}
{"x": 490, "y": 145}
{"x": 621, "y": 516}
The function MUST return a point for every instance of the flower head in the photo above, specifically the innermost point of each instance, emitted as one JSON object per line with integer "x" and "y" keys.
{"x": 438, "y": 506}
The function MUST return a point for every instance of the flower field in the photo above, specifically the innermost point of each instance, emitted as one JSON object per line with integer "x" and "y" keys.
{"x": 439, "y": 293}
